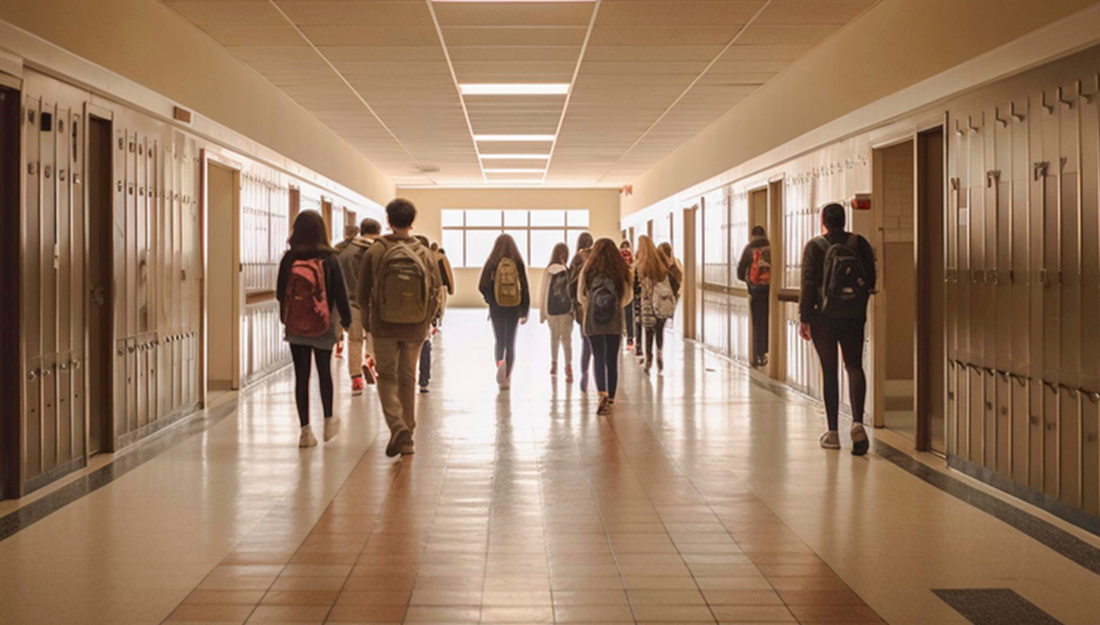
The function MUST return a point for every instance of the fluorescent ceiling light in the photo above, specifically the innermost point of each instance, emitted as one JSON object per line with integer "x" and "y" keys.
{"x": 542, "y": 1}
{"x": 515, "y": 171}
{"x": 518, "y": 181}
{"x": 514, "y": 88}
{"x": 515, "y": 157}
{"x": 532, "y": 138}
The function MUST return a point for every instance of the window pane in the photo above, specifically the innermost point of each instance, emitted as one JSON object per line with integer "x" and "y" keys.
{"x": 547, "y": 218}
{"x": 578, "y": 219}
{"x": 479, "y": 243}
{"x": 452, "y": 245}
{"x": 515, "y": 219}
{"x": 542, "y": 245}
{"x": 483, "y": 218}
{"x": 521, "y": 242}
{"x": 451, "y": 217}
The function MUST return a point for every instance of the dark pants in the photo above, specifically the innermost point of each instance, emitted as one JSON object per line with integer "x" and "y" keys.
{"x": 848, "y": 335}
{"x": 301, "y": 355}
{"x": 504, "y": 329}
{"x": 657, "y": 332}
{"x": 628, "y": 313}
{"x": 605, "y": 349}
{"x": 758, "y": 304}
{"x": 426, "y": 363}
{"x": 586, "y": 354}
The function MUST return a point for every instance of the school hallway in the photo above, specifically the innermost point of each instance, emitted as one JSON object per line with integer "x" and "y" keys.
{"x": 704, "y": 498}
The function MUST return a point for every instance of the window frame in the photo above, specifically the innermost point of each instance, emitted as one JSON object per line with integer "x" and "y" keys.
{"x": 503, "y": 228}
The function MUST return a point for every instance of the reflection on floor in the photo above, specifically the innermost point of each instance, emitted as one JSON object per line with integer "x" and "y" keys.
{"x": 703, "y": 499}
{"x": 901, "y": 416}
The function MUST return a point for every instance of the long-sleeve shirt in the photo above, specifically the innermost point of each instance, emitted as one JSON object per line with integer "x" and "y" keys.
{"x": 544, "y": 291}
{"x": 335, "y": 290}
{"x": 409, "y": 332}
{"x": 745, "y": 265}
{"x": 813, "y": 272}
{"x": 487, "y": 286}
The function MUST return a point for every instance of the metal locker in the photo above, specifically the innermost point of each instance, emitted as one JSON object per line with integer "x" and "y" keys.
{"x": 47, "y": 286}
{"x": 1019, "y": 407}
{"x": 78, "y": 299}
{"x": 976, "y": 244}
{"x": 1090, "y": 457}
{"x": 991, "y": 436}
{"x": 1069, "y": 217}
{"x": 121, "y": 284}
{"x": 1003, "y": 417}
{"x": 32, "y": 252}
{"x": 1070, "y": 446}
{"x": 954, "y": 443}
{"x": 1051, "y": 441}
{"x": 1019, "y": 268}
{"x": 32, "y": 460}
{"x": 141, "y": 398}
{"x": 1037, "y": 440}
{"x": 1050, "y": 275}
{"x": 122, "y": 383}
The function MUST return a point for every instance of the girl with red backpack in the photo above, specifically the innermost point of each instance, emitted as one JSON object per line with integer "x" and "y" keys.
{"x": 311, "y": 293}
{"x": 503, "y": 284}
{"x": 605, "y": 290}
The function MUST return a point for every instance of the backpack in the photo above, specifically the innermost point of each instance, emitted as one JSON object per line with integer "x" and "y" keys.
{"x": 506, "y": 285}
{"x": 664, "y": 299}
{"x": 558, "y": 301}
{"x": 760, "y": 273}
{"x": 403, "y": 283}
{"x": 603, "y": 300}
{"x": 844, "y": 285}
{"x": 306, "y": 310}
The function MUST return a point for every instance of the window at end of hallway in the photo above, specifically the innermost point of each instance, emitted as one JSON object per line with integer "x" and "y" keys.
{"x": 469, "y": 235}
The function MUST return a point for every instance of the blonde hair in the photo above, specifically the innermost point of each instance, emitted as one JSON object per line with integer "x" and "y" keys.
{"x": 652, "y": 263}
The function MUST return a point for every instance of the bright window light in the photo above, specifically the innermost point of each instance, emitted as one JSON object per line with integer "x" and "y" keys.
{"x": 514, "y": 88}
{"x": 514, "y": 171}
{"x": 515, "y": 157}
{"x": 531, "y": 138}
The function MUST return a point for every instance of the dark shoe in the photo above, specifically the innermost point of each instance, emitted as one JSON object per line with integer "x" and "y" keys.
{"x": 553, "y": 368}
{"x": 860, "y": 443}
{"x": 398, "y": 439}
{"x": 830, "y": 440}
{"x": 368, "y": 374}
{"x": 408, "y": 450}
{"x": 605, "y": 406}
{"x": 648, "y": 364}
{"x": 424, "y": 389}
{"x": 660, "y": 362}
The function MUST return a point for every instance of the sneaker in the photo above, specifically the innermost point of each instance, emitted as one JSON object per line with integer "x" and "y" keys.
{"x": 357, "y": 385}
{"x": 830, "y": 440}
{"x": 368, "y": 372}
{"x": 860, "y": 444}
{"x": 398, "y": 439}
{"x": 553, "y": 368}
{"x": 584, "y": 381}
{"x": 605, "y": 406}
{"x": 630, "y": 346}
{"x": 502, "y": 372}
{"x": 506, "y": 384}
{"x": 408, "y": 450}
{"x": 340, "y": 349}
{"x": 568, "y": 374}
{"x": 332, "y": 428}
{"x": 660, "y": 362}
{"x": 648, "y": 364}
{"x": 424, "y": 389}
{"x": 306, "y": 438}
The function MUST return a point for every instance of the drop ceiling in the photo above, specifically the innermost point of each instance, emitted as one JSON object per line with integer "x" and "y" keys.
{"x": 644, "y": 76}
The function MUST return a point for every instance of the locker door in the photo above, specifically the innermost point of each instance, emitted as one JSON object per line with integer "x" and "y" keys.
{"x": 1069, "y": 216}
{"x": 32, "y": 315}
{"x": 1037, "y": 465}
{"x": 991, "y": 451}
{"x": 1002, "y": 406}
{"x": 1070, "y": 446}
{"x": 1019, "y": 405}
{"x": 48, "y": 263}
{"x": 63, "y": 271}
{"x": 1051, "y": 441}
{"x": 78, "y": 299}
{"x": 1050, "y": 276}
{"x": 976, "y": 412}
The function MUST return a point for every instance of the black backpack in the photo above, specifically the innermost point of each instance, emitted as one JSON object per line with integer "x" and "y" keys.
{"x": 844, "y": 285}
{"x": 558, "y": 301}
{"x": 603, "y": 300}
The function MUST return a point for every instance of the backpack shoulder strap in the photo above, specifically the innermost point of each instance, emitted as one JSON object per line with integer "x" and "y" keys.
{"x": 821, "y": 242}
{"x": 853, "y": 241}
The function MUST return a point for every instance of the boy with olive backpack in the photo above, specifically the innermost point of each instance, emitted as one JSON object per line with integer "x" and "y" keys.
{"x": 399, "y": 286}
{"x": 838, "y": 278}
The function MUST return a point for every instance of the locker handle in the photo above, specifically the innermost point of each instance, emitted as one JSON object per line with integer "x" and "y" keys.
{"x": 64, "y": 366}
{"x": 75, "y": 365}
{"x": 32, "y": 375}
{"x": 130, "y": 349}
{"x": 1093, "y": 396}
{"x": 1053, "y": 388}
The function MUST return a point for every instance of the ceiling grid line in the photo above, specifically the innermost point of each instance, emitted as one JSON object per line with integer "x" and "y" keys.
{"x": 740, "y": 32}
{"x": 572, "y": 84}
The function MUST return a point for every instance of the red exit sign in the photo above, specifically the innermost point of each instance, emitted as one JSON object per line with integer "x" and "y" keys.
{"x": 862, "y": 202}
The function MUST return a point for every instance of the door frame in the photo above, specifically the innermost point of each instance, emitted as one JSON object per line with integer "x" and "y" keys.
{"x": 690, "y": 287}
{"x": 11, "y": 339}
{"x": 925, "y": 368}
{"x": 214, "y": 159}
{"x": 777, "y": 336}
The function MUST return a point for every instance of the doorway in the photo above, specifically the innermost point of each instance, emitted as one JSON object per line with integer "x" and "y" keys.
{"x": 222, "y": 284}
{"x": 100, "y": 279}
{"x": 931, "y": 339}
{"x": 759, "y": 343}
{"x": 10, "y": 304}
{"x": 691, "y": 260}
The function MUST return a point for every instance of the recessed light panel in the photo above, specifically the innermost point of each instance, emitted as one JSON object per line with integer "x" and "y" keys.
{"x": 514, "y": 138}
{"x": 514, "y": 171}
{"x": 490, "y": 88}
{"x": 515, "y": 157}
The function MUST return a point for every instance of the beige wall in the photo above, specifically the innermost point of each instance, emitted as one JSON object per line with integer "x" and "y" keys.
{"x": 603, "y": 204}
{"x": 146, "y": 42}
{"x": 894, "y": 45}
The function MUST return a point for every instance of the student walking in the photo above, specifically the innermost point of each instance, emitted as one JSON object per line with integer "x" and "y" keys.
{"x": 503, "y": 284}
{"x": 556, "y": 308}
{"x": 360, "y": 368}
{"x": 584, "y": 249}
{"x": 399, "y": 285}
{"x": 838, "y": 278}
{"x": 311, "y": 292}
{"x": 660, "y": 288}
{"x": 630, "y": 315}
{"x": 447, "y": 277}
{"x": 605, "y": 290}
{"x": 755, "y": 268}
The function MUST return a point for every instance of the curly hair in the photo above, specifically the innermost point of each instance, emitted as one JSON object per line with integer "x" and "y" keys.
{"x": 606, "y": 260}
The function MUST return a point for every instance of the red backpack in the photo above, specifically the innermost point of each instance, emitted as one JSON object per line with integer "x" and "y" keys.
{"x": 760, "y": 272}
{"x": 306, "y": 303}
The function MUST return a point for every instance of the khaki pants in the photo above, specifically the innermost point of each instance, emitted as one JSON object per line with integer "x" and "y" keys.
{"x": 397, "y": 362}
{"x": 358, "y": 340}
{"x": 561, "y": 333}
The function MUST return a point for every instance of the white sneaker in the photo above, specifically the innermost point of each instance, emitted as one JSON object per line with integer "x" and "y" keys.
{"x": 306, "y": 438}
{"x": 332, "y": 428}
{"x": 502, "y": 372}
{"x": 830, "y": 440}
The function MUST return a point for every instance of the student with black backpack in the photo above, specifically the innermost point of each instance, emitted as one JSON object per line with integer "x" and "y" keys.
{"x": 503, "y": 284}
{"x": 755, "y": 269}
{"x": 605, "y": 289}
{"x": 311, "y": 290}
{"x": 584, "y": 248}
{"x": 556, "y": 308}
{"x": 838, "y": 278}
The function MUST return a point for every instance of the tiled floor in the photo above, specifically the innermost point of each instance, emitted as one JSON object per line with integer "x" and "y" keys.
{"x": 703, "y": 499}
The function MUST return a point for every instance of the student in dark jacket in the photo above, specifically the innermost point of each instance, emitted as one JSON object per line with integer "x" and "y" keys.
{"x": 584, "y": 248}
{"x": 828, "y": 329}
{"x": 309, "y": 244}
{"x": 503, "y": 284}
{"x": 754, "y": 269}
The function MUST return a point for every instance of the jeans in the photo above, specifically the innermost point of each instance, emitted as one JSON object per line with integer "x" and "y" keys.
{"x": 758, "y": 304}
{"x": 504, "y": 329}
{"x": 561, "y": 334}
{"x": 656, "y": 332}
{"x": 426, "y": 363}
{"x": 848, "y": 334}
{"x": 302, "y": 369}
{"x": 396, "y": 362}
{"x": 605, "y": 349}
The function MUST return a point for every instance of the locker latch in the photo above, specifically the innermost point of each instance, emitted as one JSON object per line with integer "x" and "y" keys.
{"x": 1040, "y": 169}
{"x": 993, "y": 277}
{"x": 992, "y": 176}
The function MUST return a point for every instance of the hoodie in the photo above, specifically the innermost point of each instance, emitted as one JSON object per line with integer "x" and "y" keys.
{"x": 544, "y": 298}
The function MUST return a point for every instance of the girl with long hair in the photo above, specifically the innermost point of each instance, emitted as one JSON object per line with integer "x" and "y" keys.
{"x": 606, "y": 289}
{"x": 626, "y": 250}
{"x": 584, "y": 248}
{"x": 503, "y": 284}
{"x": 314, "y": 305}
{"x": 556, "y": 307}
{"x": 660, "y": 288}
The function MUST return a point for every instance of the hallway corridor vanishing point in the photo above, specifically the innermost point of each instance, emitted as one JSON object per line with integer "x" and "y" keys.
{"x": 705, "y": 498}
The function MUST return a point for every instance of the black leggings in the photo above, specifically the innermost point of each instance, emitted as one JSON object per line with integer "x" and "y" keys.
{"x": 605, "y": 348}
{"x": 656, "y": 332}
{"x": 758, "y": 304}
{"x": 586, "y": 353}
{"x": 848, "y": 334}
{"x": 301, "y": 354}
{"x": 504, "y": 329}
{"x": 628, "y": 313}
